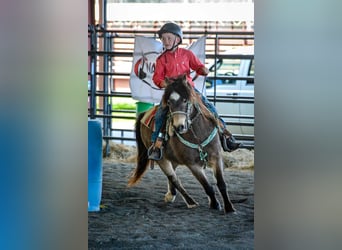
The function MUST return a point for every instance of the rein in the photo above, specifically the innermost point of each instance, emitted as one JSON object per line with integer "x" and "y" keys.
{"x": 188, "y": 110}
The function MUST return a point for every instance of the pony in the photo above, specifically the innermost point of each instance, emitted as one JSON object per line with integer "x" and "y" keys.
{"x": 192, "y": 139}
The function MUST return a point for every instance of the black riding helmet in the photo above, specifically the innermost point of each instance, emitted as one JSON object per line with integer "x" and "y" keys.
{"x": 171, "y": 28}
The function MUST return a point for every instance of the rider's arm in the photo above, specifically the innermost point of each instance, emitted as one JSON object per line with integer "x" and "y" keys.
{"x": 159, "y": 74}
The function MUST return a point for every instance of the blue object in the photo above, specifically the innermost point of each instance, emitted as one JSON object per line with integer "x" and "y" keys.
{"x": 94, "y": 165}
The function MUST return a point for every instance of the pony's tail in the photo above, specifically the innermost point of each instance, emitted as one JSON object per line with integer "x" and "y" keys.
{"x": 142, "y": 158}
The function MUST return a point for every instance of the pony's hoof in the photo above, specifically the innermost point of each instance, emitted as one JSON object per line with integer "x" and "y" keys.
{"x": 231, "y": 211}
{"x": 169, "y": 197}
{"x": 216, "y": 206}
{"x": 193, "y": 205}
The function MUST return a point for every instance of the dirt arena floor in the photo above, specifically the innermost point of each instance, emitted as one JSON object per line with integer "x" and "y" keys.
{"x": 138, "y": 218}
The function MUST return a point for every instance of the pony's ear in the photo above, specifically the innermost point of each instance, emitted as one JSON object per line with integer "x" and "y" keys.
{"x": 168, "y": 80}
{"x": 184, "y": 80}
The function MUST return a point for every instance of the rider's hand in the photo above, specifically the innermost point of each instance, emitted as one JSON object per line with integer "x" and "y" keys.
{"x": 203, "y": 71}
{"x": 163, "y": 84}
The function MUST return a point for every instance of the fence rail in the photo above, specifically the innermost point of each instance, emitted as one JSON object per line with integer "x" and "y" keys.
{"x": 109, "y": 49}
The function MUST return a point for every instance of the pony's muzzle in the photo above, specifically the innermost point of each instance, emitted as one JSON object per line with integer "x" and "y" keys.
{"x": 181, "y": 129}
{"x": 180, "y": 122}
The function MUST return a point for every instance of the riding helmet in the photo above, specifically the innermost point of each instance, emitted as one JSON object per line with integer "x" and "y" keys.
{"x": 171, "y": 28}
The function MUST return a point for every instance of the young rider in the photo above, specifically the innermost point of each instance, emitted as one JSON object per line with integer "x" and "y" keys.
{"x": 172, "y": 62}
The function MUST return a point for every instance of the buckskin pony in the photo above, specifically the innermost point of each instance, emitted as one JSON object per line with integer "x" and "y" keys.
{"x": 192, "y": 139}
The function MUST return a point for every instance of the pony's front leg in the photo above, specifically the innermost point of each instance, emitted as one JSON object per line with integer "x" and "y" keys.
{"x": 199, "y": 173}
{"x": 174, "y": 184}
{"x": 170, "y": 196}
{"x": 218, "y": 173}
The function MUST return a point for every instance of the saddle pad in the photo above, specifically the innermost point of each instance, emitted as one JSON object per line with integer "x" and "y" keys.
{"x": 148, "y": 118}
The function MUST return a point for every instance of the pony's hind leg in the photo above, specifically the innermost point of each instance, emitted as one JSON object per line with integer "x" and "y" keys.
{"x": 198, "y": 172}
{"x": 174, "y": 183}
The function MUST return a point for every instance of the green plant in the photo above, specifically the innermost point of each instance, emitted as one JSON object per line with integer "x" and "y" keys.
{"x": 124, "y": 106}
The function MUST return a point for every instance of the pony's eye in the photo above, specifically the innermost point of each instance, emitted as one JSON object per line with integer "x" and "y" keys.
{"x": 168, "y": 102}
{"x": 184, "y": 100}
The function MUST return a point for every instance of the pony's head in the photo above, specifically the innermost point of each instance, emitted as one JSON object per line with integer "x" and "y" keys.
{"x": 180, "y": 97}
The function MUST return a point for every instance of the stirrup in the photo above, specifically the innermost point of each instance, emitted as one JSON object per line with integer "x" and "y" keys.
{"x": 155, "y": 153}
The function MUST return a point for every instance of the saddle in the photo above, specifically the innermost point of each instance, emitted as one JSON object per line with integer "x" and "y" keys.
{"x": 149, "y": 118}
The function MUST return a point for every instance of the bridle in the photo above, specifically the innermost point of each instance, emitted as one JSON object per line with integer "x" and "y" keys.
{"x": 187, "y": 113}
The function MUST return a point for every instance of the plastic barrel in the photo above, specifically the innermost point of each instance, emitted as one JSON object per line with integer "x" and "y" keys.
{"x": 143, "y": 106}
{"x": 94, "y": 165}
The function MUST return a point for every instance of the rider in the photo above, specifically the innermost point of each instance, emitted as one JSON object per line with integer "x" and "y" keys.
{"x": 172, "y": 62}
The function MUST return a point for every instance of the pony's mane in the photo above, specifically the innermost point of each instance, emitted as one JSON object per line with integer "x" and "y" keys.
{"x": 186, "y": 91}
{"x": 181, "y": 86}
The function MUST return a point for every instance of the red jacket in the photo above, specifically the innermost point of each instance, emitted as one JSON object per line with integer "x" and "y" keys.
{"x": 173, "y": 64}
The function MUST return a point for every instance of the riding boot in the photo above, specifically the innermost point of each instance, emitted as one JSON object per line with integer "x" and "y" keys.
{"x": 155, "y": 152}
{"x": 228, "y": 141}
